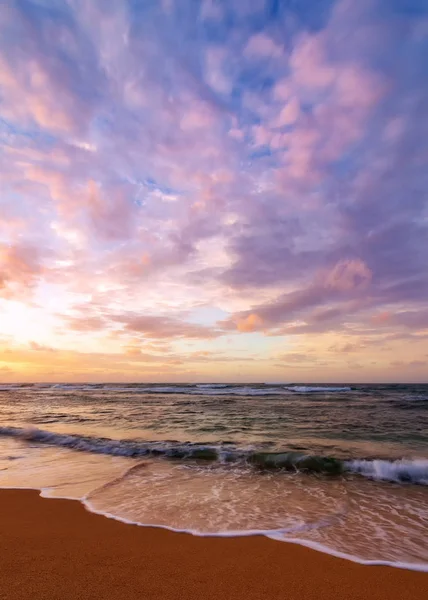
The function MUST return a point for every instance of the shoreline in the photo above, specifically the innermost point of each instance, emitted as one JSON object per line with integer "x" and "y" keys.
{"x": 268, "y": 534}
{"x": 56, "y": 548}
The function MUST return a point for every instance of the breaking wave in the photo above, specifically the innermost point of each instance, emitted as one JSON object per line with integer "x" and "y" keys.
{"x": 399, "y": 471}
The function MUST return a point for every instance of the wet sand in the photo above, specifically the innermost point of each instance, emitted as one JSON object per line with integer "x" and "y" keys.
{"x": 55, "y": 549}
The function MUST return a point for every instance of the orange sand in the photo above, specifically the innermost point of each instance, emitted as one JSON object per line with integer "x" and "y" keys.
{"x": 56, "y": 550}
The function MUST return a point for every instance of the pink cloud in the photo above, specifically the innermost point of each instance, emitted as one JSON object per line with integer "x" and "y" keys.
{"x": 20, "y": 269}
{"x": 261, "y": 45}
{"x": 164, "y": 327}
{"x": 33, "y": 93}
{"x": 199, "y": 117}
{"x": 41, "y": 348}
{"x": 250, "y": 323}
{"x": 156, "y": 328}
{"x": 300, "y": 156}
{"x": 282, "y": 90}
{"x": 30, "y": 96}
{"x": 289, "y": 113}
{"x": 56, "y": 182}
{"x": 309, "y": 63}
{"x": 86, "y": 323}
{"x": 262, "y": 135}
{"x": 236, "y": 134}
{"x": 111, "y": 212}
{"x": 382, "y": 317}
{"x": 349, "y": 275}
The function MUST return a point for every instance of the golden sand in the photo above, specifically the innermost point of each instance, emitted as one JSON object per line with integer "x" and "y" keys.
{"x": 55, "y": 549}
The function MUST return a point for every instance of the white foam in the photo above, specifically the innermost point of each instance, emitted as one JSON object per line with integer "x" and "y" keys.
{"x": 240, "y": 391}
{"x": 212, "y": 385}
{"x": 411, "y": 471}
{"x": 304, "y": 389}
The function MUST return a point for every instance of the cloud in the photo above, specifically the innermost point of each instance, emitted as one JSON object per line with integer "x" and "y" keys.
{"x": 250, "y": 323}
{"x": 146, "y": 327}
{"x": 40, "y": 73}
{"x": 414, "y": 364}
{"x": 260, "y": 163}
{"x": 260, "y": 45}
{"x": 348, "y": 275}
{"x": 163, "y": 327}
{"x": 215, "y": 70}
{"x": 296, "y": 358}
{"x": 113, "y": 213}
{"x": 20, "y": 268}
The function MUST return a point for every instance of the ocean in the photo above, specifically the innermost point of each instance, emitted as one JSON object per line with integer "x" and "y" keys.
{"x": 339, "y": 468}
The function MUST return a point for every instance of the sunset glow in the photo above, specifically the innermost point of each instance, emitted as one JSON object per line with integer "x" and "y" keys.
{"x": 213, "y": 191}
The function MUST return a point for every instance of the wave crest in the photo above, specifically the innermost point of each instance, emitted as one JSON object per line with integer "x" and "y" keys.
{"x": 305, "y": 389}
{"x": 399, "y": 471}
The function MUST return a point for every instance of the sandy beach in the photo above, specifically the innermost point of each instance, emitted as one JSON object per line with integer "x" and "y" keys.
{"x": 55, "y": 549}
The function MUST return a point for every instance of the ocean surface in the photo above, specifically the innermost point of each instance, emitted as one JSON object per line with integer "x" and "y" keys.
{"x": 340, "y": 468}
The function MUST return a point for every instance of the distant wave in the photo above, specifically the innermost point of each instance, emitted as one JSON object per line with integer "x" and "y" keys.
{"x": 304, "y": 389}
{"x": 212, "y": 390}
{"x": 198, "y": 389}
{"x": 212, "y": 385}
{"x": 401, "y": 471}
{"x": 203, "y": 389}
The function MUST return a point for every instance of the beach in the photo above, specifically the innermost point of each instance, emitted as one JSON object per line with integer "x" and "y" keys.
{"x": 55, "y": 549}
{"x": 232, "y": 460}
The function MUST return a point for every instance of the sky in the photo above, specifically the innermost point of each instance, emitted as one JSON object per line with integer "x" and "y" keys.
{"x": 214, "y": 190}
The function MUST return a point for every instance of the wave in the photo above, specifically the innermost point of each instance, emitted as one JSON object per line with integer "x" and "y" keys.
{"x": 127, "y": 448}
{"x": 398, "y": 471}
{"x": 216, "y": 390}
{"x": 212, "y": 385}
{"x": 198, "y": 389}
{"x": 204, "y": 389}
{"x": 304, "y": 389}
